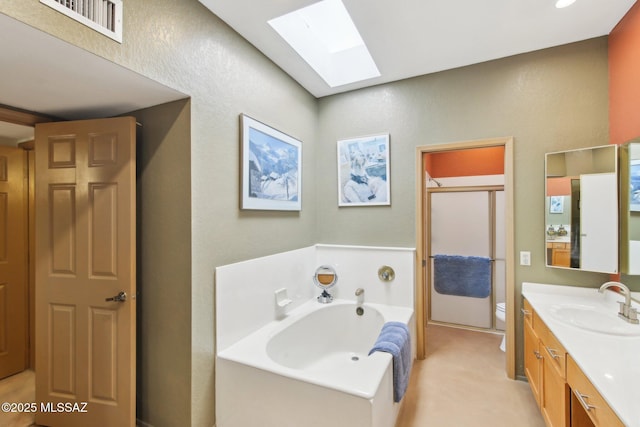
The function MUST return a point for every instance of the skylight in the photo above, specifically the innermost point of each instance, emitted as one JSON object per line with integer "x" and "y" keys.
{"x": 324, "y": 35}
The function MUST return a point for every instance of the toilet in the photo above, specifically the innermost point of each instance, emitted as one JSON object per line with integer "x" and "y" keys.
{"x": 500, "y": 314}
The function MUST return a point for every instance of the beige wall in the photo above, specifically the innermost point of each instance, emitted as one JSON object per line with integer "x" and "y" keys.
{"x": 547, "y": 100}
{"x": 164, "y": 264}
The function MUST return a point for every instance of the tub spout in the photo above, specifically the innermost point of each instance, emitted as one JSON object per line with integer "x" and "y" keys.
{"x": 360, "y": 296}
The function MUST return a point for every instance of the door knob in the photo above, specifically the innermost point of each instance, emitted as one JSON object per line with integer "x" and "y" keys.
{"x": 121, "y": 297}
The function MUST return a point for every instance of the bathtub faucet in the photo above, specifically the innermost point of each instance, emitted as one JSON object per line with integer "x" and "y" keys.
{"x": 360, "y": 296}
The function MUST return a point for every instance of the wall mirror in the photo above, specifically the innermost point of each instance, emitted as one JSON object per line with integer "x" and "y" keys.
{"x": 630, "y": 208}
{"x": 581, "y": 209}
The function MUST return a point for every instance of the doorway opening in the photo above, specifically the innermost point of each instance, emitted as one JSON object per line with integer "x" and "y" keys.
{"x": 503, "y": 209}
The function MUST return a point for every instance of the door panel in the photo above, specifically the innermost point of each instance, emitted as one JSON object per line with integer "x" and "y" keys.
{"x": 13, "y": 261}
{"x": 85, "y": 253}
{"x": 598, "y": 222}
{"x": 460, "y": 226}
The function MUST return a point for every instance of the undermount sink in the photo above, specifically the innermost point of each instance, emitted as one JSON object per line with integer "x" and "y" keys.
{"x": 594, "y": 319}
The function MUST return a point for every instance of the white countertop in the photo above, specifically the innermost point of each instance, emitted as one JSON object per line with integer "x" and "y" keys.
{"x": 562, "y": 239}
{"x": 611, "y": 362}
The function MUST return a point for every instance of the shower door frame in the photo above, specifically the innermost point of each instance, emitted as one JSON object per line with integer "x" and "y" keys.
{"x": 491, "y": 191}
{"x": 421, "y": 249}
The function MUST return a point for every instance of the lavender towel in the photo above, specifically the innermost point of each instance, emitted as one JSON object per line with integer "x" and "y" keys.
{"x": 394, "y": 338}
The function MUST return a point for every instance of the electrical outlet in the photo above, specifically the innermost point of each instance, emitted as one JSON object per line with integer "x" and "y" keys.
{"x": 525, "y": 258}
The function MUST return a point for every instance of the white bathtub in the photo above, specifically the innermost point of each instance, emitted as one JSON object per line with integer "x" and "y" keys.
{"x": 311, "y": 369}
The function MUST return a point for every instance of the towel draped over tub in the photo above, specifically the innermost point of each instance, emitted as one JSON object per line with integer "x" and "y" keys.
{"x": 467, "y": 276}
{"x": 394, "y": 338}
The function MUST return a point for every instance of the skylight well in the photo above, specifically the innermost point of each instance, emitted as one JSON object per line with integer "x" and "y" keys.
{"x": 324, "y": 35}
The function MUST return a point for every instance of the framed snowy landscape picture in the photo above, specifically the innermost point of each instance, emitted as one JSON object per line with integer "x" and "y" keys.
{"x": 271, "y": 168}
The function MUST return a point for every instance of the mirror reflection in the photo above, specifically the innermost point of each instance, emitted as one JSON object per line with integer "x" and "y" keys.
{"x": 581, "y": 219}
{"x": 630, "y": 208}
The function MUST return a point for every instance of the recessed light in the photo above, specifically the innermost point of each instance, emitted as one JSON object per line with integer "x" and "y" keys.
{"x": 564, "y": 3}
{"x": 324, "y": 35}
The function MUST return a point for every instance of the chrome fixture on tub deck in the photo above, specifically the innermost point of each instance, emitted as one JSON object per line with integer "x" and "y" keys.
{"x": 360, "y": 301}
{"x": 628, "y": 313}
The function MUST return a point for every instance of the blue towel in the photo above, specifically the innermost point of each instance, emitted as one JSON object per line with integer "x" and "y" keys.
{"x": 394, "y": 338}
{"x": 467, "y": 276}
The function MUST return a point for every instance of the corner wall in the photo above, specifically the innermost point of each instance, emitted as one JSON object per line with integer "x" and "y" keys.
{"x": 624, "y": 89}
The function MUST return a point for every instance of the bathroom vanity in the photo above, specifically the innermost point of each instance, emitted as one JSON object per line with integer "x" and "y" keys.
{"x": 580, "y": 358}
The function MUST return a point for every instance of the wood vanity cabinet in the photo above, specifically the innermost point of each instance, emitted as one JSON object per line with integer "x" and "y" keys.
{"x": 560, "y": 254}
{"x": 532, "y": 356}
{"x": 586, "y": 401}
{"x": 563, "y": 392}
{"x": 545, "y": 368}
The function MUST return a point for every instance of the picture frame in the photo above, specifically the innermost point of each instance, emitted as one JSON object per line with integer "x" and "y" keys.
{"x": 556, "y": 204}
{"x": 364, "y": 171}
{"x": 271, "y": 170}
{"x": 634, "y": 188}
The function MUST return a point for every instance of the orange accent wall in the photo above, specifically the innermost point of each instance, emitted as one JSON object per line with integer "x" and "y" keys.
{"x": 471, "y": 162}
{"x": 624, "y": 78}
{"x": 559, "y": 186}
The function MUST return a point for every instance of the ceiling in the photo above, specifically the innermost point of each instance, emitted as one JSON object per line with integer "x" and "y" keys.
{"x": 416, "y": 37}
{"x": 41, "y": 73}
{"x": 46, "y": 75}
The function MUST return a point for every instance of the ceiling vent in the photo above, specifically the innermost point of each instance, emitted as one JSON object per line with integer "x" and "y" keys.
{"x": 104, "y": 16}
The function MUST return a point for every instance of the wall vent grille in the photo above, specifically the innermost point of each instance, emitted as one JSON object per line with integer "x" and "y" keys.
{"x": 104, "y": 16}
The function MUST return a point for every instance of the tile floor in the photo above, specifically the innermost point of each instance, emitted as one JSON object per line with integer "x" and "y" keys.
{"x": 18, "y": 388}
{"x": 462, "y": 382}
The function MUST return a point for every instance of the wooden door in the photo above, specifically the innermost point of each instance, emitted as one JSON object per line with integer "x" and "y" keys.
{"x": 13, "y": 261}
{"x": 85, "y": 253}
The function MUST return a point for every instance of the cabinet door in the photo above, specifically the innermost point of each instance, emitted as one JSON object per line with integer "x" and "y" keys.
{"x": 555, "y": 394}
{"x": 599, "y": 222}
{"x": 532, "y": 360}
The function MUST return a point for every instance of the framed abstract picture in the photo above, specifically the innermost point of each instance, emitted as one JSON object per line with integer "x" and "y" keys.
{"x": 556, "y": 204}
{"x": 271, "y": 168}
{"x": 363, "y": 171}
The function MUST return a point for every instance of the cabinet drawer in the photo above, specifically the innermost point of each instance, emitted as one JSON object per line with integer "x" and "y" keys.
{"x": 527, "y": 313}
{"x": 598, "y": 410}
{"x": 554, "y": 353}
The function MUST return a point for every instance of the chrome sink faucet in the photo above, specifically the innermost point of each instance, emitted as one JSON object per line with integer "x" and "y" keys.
{"x": 628, "y": 313}
{"x": 360, "y": 296}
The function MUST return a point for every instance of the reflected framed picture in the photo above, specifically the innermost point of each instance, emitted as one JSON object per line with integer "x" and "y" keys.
{"x": 271, "y": 168}
{"x": 634, "y": 177}
{"x": 363, "y": 171}
{"x": 556, "y": 204}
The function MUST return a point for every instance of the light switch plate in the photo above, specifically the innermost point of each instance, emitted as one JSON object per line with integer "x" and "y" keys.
{"x": 525, "y": 258}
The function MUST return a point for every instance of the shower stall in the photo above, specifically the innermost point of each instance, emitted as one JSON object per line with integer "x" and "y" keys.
{"x": 466, "y": 251}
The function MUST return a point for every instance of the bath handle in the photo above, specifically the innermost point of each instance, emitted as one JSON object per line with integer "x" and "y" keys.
{"x": 386, "y": 273}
